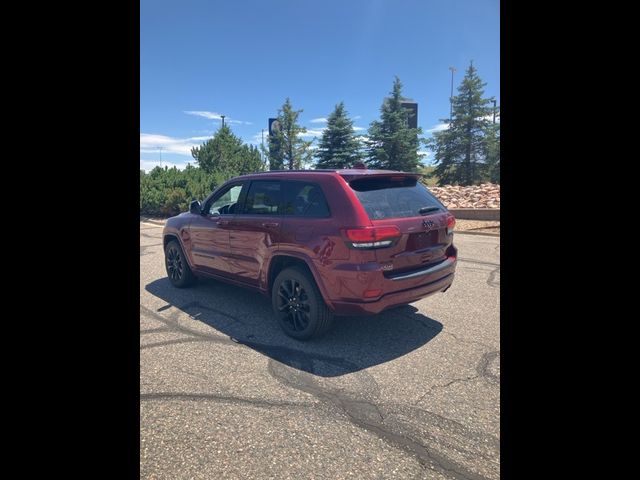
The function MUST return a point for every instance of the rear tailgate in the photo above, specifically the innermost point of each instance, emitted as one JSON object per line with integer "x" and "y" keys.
{"x": 397, "y": 199}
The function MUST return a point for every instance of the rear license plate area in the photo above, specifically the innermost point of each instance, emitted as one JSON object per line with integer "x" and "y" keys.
{"x": 418, "y": 241}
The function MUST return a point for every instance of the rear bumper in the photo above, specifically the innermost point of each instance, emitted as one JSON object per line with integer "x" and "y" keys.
{"x": 402, "y": 288}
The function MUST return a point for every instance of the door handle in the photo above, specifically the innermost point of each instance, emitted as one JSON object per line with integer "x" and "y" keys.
{"x": 270, "y": 224}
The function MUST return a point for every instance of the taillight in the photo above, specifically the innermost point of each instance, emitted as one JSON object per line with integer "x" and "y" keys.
{"x": 451, "y": 223}
{"x": 372, "y": 237}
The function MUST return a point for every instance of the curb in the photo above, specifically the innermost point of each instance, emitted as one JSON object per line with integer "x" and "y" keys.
{"x": 486, "y": 234}
{"x": 476, "y": 213}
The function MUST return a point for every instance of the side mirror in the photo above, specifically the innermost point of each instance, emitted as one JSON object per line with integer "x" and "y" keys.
{"x": 195, "y": 208}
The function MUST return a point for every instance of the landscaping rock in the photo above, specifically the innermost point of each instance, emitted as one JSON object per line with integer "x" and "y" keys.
{"x": 486, "y": 195}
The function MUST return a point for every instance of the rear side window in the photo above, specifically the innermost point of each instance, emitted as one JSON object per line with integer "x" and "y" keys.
{"x": 304, "y": 199}
{"x": 263, "y": 198}
{"x": 394, "y": 197}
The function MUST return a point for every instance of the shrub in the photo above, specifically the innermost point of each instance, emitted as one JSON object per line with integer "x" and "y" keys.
{"x": 168, "y": 191}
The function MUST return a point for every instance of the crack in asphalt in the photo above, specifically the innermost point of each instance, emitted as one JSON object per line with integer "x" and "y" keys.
{"x": 196, "y": 304}
{"x": 479, "y": 262}
{"x": 463, "y": 340}
{"x": 155, "y": 330}
{"x": 178, "y": 341}
{"x": 483, "y": 367}
{"x": 482, "y": 371}
{"x": 456, "y": 428}
{"x": 360, "y": 411}
{"x": 167, "y": 396}
{"x": 365, "y": 414}
{"x": 143, "y": 249}
{"x": 491, "y": 281}
{"x": 174, "y": 326}
{"x": 446, "y": 385}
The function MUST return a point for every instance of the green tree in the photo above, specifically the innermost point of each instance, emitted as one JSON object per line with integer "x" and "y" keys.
{"x": 464, "y": 152}
{"x": 339, "y": 147}
{"x": 287, "y": 150}
{"x": 392, "y": 145}
{"x": 493, "y": 152}
{"x": 168, "y": 191}
{"x": 226, "y": 156}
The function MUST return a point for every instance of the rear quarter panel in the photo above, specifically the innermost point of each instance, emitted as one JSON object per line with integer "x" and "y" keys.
{"x": 319, "y": 241}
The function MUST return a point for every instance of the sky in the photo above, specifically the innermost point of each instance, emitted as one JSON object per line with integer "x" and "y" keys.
{"x": 200, "y": 59}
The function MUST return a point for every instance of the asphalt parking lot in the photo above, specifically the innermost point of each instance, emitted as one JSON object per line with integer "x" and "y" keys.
{"x": 410, "y": 393}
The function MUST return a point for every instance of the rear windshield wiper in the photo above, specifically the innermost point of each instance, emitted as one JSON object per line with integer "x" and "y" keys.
{"x": 424, "y": 210}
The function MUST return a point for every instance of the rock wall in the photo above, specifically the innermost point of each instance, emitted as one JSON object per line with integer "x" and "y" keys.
{"x": 486, "y": 195}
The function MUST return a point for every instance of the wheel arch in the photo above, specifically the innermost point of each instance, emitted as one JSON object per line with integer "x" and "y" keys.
{"x": 167, "y": 237}
{"x": 283, "y": 260}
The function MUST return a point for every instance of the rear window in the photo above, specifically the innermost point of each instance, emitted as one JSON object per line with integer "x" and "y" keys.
{"x": 304, "y": 199}
{"x": 394, "y": 197}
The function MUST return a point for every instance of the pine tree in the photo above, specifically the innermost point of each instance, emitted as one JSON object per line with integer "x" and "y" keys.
{"x": 226, "y": 155}
{"x": 339, "y": 147}
{"x": 493, "y": 152}
{"x": 287, "y": 150}
{"x": 462, "y": 151}
{"x": 392, "y": 145}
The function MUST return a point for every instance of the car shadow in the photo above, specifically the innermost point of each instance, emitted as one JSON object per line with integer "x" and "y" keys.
{"x": 352, "y": 344}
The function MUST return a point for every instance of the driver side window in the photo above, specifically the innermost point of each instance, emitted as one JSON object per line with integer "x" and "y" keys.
{"x": 225, "y": 204}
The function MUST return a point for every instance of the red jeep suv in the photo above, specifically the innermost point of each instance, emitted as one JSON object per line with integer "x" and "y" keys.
{"x": 318, "y": 242}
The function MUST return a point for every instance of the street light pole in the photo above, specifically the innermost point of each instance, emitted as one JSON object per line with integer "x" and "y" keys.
{"x": 453, "y": 69}
{"x": 494, "y": 111}
{"x": 222, "y": 116}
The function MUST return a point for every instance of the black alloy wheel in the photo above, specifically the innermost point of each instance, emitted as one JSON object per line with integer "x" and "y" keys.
{"x": 178, "y": 269}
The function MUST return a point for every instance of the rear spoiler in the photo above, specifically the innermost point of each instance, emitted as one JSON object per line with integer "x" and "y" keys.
{"x": 349, "y": 176}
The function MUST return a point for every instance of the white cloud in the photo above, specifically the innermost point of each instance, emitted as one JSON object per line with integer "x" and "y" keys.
{"x": 438, "y": 128}
{"x": 257, "y": 139}
{"x": 357, "y": 117}
{"x": 312, "y": 132}
{"x": 358, "y": 129}
{"x": 319, "y": 120}
{"x": 148, "y": 165}
{"x": 151, "y": 143}
{"x": 215, "y": 116}
{"x": 204, "y": 114}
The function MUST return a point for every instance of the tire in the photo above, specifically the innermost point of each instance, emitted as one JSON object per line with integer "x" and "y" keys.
{"x": 304, "y": 316}
{"x": 178, "y": 270}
